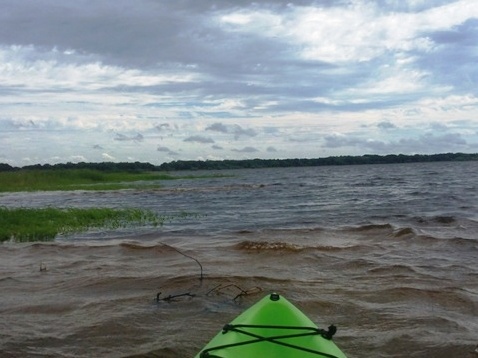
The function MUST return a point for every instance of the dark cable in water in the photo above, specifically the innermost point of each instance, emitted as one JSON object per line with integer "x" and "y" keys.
{"x": 216, "y": 289}
{"x": 170, "y": 297}
{"x": 189, "y": 257}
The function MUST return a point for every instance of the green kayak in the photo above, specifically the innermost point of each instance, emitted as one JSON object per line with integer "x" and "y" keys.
{"x": 274, "y": 328}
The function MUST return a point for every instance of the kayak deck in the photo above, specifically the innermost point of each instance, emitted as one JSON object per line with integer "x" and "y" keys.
{"x": 273, "y": 327}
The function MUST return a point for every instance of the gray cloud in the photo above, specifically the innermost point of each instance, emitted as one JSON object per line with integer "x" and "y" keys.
{"x": 246, "y": 150}
{"x": 163, "y": 127}
{"x": 166, "y": 150}
{"x": 437, "y": 126}
{"x": 218, "y": 127}
{"x": 454, "y": 55}
{"x": 124, "y": 138}
{"x": 385, "y": 125}
{"x": 199, "y": 139}
{"x": 336, "y": 141}
{"x": 236, "y": 130}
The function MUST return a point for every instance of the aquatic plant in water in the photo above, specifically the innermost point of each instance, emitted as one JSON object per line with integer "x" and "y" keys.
{"x": 26, "y": 224}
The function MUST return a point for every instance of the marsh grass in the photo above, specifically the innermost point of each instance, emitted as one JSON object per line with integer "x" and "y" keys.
{"x": 84, "y": 179}
{"x": 75, "y": 179}
{"x": 25, "y": 224}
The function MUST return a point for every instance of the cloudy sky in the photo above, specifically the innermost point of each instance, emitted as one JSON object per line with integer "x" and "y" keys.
{"x": 163, "y": 80}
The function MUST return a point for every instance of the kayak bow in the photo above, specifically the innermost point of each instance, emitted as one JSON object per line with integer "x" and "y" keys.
{"x": 273, "y": 327}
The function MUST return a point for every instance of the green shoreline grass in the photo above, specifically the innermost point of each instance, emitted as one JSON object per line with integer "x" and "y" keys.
{"x": 26, "y": 224}
{"x": 84, "y": 179}
{"x": 76, "y": 179}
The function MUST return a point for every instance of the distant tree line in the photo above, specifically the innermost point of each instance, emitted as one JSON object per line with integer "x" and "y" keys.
{"x": 252, "y": 163}
{"x": 338, "y": 160}
{"x": 103, "y": 166}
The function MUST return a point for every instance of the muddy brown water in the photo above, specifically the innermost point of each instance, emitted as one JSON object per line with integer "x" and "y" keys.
{"x": 386, "y": 253}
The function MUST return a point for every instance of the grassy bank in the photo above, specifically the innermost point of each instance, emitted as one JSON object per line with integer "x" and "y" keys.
{"x": 75, "y": 179}
{"x": 45, "y": 224}
{"x": 26, "y": 224}
{"x": 84, "y": 179}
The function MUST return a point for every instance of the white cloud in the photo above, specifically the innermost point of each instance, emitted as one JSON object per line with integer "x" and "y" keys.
{"x": 361, "y": 31}
{"x": 78, "y": 158}
{"x": 264, "y": 22}
{"x": 108, "y": 157}
{"x": 183, "y": 79}
{"x": 30, "y": 68}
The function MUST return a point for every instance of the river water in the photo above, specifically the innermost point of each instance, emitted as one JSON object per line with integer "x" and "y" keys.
{"x": 387, "y": 253}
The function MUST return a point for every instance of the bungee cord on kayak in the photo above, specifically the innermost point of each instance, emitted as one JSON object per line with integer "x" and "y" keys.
{"x": 273, "y": 339}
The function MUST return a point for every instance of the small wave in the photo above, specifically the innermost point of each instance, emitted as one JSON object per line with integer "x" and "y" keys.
{"x": 268, "y": 246}
{"x": 134, "y": 246}
{"x": 461, "y": 241}
{"x": 392, "y": 270}
{"x": 407, "y": 231}
{"x": 208, "y": 189}
{"x": 41, "y": 245}
{"x": 440, "y": 219}
{"x": 370, "y": 227}
{"x": 453, "y": 241}
{"x": 447, "y": 297}
{"x": 444, "y": 219}
{"x": 330, "y": 248}
{"x": 56, "y": 308}
{"x": 8, "y": 279}
{"x": 158, "y": 247}
{"x": 245, "y": 231}
{"x": 287, "y": 247}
